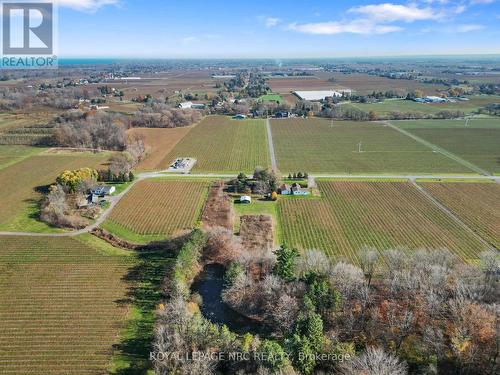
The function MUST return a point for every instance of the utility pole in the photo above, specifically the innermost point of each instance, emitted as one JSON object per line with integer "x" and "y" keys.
{"x": 360, "y": 144}
{"x": 467, "y": 119}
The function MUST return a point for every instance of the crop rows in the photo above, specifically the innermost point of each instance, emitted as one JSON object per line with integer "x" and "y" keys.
{"x": 476, "y": 204}
{"x": 60, "y": 312}
{"x": 223, "y": 145}
{"x": 161, "y": 207}
{"x": 318, "y": 146}
{"x": 384, "y": 215}
{"x": 477, "y": 143}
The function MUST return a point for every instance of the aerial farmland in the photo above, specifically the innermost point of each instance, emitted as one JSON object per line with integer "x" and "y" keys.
{"x": 250, "y": 206}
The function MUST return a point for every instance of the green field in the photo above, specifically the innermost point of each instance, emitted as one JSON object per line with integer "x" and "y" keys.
{"x": 385, "y": 107}
{"x": 10, "y": 155}
{"x": 479, "y": 143}
{"x": 221, "y": 144}
{"x": 315, "y": 146}
{"x": 24, "y": 182}
{"x": 63, "y": 304}
{"x": 383, "y": 215}
{"x": 271, "y": 98}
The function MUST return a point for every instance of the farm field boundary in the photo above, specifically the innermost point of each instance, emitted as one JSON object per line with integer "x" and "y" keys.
{"x": 440, "y": 150}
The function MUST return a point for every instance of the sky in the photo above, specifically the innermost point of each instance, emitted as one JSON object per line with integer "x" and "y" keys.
{"x": 276, "y": 28}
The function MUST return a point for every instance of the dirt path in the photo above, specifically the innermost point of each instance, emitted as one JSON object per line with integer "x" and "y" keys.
{"x": 274, "y": 164}
{"x": 442, "y": 151}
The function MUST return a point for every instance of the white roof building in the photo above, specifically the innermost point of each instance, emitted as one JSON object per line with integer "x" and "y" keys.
{"x": 317, "y": 95}
{"x": 185, "y": 105}
{"x": 246, "y": 199}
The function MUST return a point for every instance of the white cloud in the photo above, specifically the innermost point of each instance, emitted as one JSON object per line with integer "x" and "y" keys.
{"x": 476, "y": 2}
{"x": 468, "y": 28}
{"x": 86, "y": 5}
{"x": 354, "y": 27}
{"x": 272, "y": 22}
{"x": 190, "y": 40}
{"x": 389, "y": 12}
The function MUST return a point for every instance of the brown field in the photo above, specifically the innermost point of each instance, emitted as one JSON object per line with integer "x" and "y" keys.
{"x": 159, "y": 143}
{"x": 286, "y": 85}
{"x": 218, "y": 210}
{"x": 383, "y": 215}
{"x": 360, "y": 83}
{"x": 61, "y": 310}
{"x": 366, "y": 84}
{"x": 166, "y": 84}
{"x": 126, "y": 107}
{"x": 478, "y": 205}
{"x": 160, "y": 207}
{"x": 257, "y": 232}
{"x": 23, "y": 181}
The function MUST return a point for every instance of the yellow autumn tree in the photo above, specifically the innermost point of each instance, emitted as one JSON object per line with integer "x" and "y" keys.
{"x": 71, "y": 179}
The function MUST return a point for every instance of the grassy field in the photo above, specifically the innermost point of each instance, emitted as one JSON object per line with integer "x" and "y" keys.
{"x": 10, "y": 155}
{"x": 159, "y": 143}
{"x": 315, "y": 146}
{"x": 383, "y": 215}
{"x": 63, "y": 304}
{"x": 271, "y": 98}
{"x": 384, "y": 108}
{"x": 477, "y": 204}
{"x": 221, "y": 144}
{"x": 478, "y": 143}
{"x": 23, "y": 182}
{"x": 157, "y": 209}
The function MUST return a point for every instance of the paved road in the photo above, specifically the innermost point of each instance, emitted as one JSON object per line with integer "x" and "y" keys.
{"x": 142, "y": 176}
{"x": 439, "y": 149}
{"x": 274, "y": 164}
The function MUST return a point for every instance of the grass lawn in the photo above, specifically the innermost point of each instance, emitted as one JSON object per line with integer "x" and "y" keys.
{"x": 221, "y": 144}
{"x": 271, "y": 98}
{"x": 478, "y": 143}
{"x": 315, "y": 146}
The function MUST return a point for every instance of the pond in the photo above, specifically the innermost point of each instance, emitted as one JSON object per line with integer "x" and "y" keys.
{"x": 209, "y": 285}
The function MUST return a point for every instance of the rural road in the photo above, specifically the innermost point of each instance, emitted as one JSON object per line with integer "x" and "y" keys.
{"x": 274, "y": 164}
{"x": 114, "y": 200}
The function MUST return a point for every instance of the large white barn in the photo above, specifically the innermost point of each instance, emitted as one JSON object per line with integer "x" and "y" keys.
{"x": 315, "y": 96}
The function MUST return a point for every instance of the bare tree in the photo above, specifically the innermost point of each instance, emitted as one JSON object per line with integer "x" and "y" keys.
{"x": 374, "y": 361}
{"x": 368, "y": 261}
